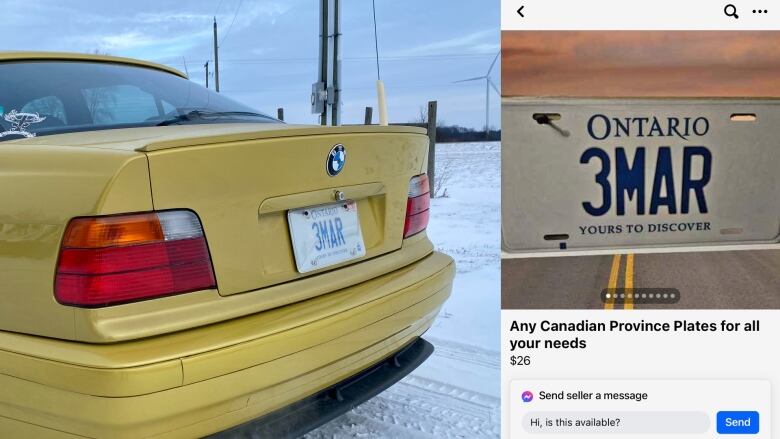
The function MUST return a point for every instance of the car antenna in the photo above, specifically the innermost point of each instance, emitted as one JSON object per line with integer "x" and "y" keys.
{"x": 380, "y": 86}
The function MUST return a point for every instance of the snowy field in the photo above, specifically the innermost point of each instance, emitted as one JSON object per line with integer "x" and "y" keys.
{"x": 455, "y": 393}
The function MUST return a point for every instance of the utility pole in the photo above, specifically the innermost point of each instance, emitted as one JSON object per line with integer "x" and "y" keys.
{"x": 216, "y": 58}
{"x": 326, "y": 92}
{"x": 207, "y": 73}
{"x": 319, "y": 91}
{"x": 335, "y": 104}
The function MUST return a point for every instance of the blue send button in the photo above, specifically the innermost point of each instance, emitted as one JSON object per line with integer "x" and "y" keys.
{"x": 737, "y": 422}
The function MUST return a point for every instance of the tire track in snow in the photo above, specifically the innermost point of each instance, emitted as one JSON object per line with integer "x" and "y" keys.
{"x": 465, "y": 353}
{"x": 424, "y": 408}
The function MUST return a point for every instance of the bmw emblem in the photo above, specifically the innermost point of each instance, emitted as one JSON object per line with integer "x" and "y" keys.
{"x": 337, "y": 158}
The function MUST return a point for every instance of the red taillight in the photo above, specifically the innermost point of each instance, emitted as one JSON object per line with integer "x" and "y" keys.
{"x": 417, "y": 205}
{"x": 115, "y": 259}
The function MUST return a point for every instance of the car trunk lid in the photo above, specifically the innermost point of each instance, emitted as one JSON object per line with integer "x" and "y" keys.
{"x": 244, "y": 185}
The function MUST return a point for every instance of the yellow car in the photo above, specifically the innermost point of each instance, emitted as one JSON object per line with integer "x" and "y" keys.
{"x": 175, "y": 264}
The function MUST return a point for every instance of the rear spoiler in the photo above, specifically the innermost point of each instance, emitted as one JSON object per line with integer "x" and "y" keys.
{"x": 225, "y": 134}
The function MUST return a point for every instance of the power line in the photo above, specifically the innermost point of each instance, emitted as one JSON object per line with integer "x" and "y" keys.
{"x": 399, "y": 86}
{"x": 357, "y": 58}
{"x": 235, "y": 14}
{"x": 218, "y": 6}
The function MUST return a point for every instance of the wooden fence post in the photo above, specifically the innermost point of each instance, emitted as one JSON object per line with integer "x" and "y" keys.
{"x": 369, "y": 115}
{"x": 432, "y": 145}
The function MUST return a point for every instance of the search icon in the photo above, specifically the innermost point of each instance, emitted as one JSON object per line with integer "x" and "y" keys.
{"x": 730, "y": 11}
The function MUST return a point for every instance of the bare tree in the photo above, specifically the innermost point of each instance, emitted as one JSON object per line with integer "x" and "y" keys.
{"x": 49, "y": 106}
{"x": 422, "y": 116}
{"x": 443, "y": 175}
{"x": 101, "y": 101}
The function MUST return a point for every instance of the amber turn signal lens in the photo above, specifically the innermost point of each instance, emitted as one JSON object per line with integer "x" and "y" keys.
{"x": 113, "y": 231}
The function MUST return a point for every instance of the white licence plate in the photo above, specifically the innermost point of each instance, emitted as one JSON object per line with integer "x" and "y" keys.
{"x": 325, "y": 235}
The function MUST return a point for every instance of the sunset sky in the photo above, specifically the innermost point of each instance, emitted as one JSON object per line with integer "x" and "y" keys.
{"x": 640, "y": 63}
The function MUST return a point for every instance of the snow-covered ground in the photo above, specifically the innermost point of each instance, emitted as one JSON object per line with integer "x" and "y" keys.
{"x": 455, "y": 393}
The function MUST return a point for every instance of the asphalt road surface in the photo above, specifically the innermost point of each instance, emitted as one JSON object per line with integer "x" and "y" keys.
{"x": 744, "y": 279}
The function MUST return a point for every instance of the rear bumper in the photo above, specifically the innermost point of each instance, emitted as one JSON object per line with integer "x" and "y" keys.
{"x": 296, "y": 419}
{"x": 209, "y": 379}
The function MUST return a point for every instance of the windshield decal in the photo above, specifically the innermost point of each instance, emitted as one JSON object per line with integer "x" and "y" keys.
{"x": 20, "y": 122}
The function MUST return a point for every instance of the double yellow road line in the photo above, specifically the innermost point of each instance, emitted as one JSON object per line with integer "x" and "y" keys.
{"x": 628, "y": 282}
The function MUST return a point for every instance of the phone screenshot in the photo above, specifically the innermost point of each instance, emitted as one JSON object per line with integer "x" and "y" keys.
{"x": 328, "y": 219}
{"x": 640, "y": 265}
{"x": 267, "y": 219}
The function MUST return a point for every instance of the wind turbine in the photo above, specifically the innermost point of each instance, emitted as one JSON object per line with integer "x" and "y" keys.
{"x": 488, "y": 85}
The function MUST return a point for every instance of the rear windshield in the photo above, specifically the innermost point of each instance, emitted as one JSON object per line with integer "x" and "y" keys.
{"x": 40, "y": 98}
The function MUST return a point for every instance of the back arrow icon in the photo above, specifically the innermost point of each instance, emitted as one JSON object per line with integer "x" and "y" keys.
{"x": 520, "y": 11}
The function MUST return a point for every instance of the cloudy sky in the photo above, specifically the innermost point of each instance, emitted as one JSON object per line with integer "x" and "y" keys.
{"x": 268, "y": 48}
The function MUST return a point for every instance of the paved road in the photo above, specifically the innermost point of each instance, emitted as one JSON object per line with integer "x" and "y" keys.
{"x": 704, "y": 280}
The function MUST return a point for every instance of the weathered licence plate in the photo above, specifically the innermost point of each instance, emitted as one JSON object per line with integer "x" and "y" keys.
{"x": 325, "y": 235}
{"x": 630, "y": 173}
